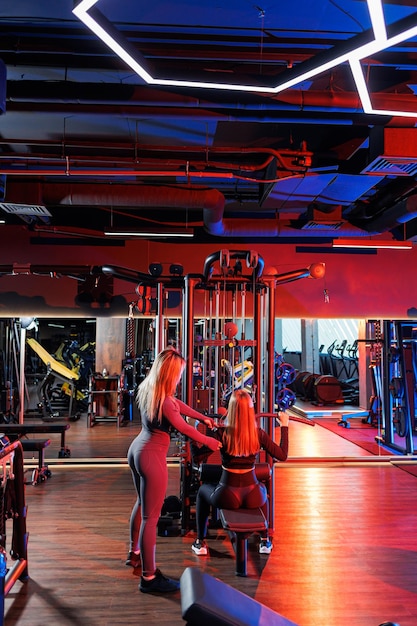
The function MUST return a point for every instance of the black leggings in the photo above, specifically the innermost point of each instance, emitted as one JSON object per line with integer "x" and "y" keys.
{"x": 234, "y": 491}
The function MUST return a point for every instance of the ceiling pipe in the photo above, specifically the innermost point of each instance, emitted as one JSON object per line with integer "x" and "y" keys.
{"x": 195, "y": 157}
{"x": 394, "y": 216}
{"x": 118, "y": 195}
{"x": 127, "y": 172}
{"x": 79, "y": 95}
{"x": 346, "y": 101}
{"x": 210, "y": 201}
{"x": 212, "y": 204}
{"x": 263, "y": 112}
{"x": 275, "y": 228}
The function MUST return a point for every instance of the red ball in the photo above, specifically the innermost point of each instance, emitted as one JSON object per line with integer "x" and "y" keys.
{"x": 230, "y": 329}
{"x": 317, "y": 270}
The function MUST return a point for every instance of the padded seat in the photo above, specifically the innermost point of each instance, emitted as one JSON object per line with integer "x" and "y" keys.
{"x": 36, "y": 445}
{"x": 207, "y": 601}
{"x": 42, "y": 472}
{"x": 243, "y": 523}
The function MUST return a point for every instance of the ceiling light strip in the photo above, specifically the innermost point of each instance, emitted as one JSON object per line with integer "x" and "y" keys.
{"x": 127, "y": 233}
{"x": 353, "y": 57}
{"x": 372, "y": 244}
{"x": 359, "y": 78}
{"x": 81, "y": 11}
{"x": 376, "y": 13}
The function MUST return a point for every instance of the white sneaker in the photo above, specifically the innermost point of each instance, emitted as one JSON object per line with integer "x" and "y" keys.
{"x": 199, "y": 547}
{"x": 265, "y": 547}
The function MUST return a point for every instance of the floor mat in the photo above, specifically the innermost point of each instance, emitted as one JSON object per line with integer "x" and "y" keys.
{"x": 363, "y": 435}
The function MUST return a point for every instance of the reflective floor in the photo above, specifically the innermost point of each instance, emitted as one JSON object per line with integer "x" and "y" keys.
{"x": 345, "y": 538}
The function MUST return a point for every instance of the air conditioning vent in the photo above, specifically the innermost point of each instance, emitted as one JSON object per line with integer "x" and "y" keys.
{"x": 24, "y": 209}
{"x": 329, "y": 225}
{"x": 392, "y": 166}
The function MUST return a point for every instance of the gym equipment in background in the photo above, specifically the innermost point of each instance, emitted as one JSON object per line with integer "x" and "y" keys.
{"x": 392, "y": 353}
{"x": 55, "y": 371}
{"x": 319, "y": 389}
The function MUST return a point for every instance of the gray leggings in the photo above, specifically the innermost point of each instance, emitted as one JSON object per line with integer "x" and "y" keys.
{"x": 148, "y": 465}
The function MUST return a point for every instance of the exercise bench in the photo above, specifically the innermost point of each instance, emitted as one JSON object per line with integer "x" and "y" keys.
{"x": 207, "y": 601}
{"x": 18, "y": 431}
{"x": 241, "y": 524}
{"x": 42, "y": 472}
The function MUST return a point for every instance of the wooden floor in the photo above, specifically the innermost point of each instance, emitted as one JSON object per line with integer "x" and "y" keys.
{"x": 345, "y": 544}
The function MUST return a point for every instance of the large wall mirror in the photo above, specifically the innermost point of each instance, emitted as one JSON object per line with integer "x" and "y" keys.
{"x": 77, "y": 345}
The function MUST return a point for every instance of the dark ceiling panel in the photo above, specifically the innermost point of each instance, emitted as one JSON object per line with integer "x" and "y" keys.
{"x": 76, "y": 113}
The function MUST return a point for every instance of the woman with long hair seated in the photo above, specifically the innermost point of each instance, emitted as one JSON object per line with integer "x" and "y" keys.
{"x": 241, "y": 439}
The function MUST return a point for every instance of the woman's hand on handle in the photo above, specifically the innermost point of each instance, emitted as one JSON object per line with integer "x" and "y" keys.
{"x": 208, "y": 421}
{"x": 284, "y": 418}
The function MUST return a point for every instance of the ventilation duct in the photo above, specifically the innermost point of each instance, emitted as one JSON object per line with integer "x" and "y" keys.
{"x": 210, "y": 201}
{"x": 394, "y": 216}
{"x": 312, "y": 225}
{"x": 212, "y": 204}
{"x": 24, "y": 209}
{"x": 392, "y": 166}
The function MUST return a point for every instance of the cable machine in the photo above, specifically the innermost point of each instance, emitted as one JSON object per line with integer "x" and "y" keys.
{"x": 235, "y": 293}
{"x": 394, "y": 370}
{"x": 227, "y": 337}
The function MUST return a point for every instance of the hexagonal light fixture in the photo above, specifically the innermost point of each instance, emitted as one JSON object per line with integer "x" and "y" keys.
{"x": 401, "y": 31}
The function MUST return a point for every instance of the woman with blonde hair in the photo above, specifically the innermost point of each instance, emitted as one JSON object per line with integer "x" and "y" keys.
{"x": 161, "y": 414}
{"x": 242, "y": 439}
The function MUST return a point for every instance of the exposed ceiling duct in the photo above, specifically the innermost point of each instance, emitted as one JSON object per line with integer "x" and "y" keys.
{"x": 212, "y": 204}
{"x": 69, "y": 97}
{"x": 394, "y": 216}
{"x": 88, "y": 146}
